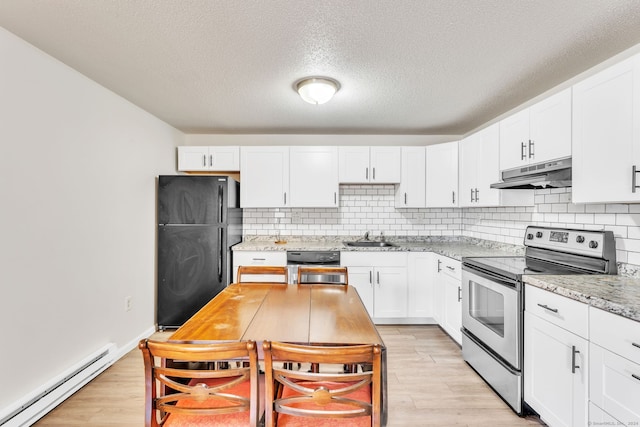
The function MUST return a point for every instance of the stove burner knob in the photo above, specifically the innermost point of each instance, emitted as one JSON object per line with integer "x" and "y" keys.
{"x": 529, "y": 236}
{"x": 580, "y": 239}
{"x": 593, "y": 244}
{"x": 539, "y": 234}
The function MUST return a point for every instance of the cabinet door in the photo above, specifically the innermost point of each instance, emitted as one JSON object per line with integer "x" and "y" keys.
{"x": 411, "y": 191}
{"x": 390, "y": 285}
{"x": 555, "y": 370}
{"x": 606, "y": 134}
{"x": 442, "y": 175}
{"x": 361, "y": 278}
{"x": 514, "y": 140}
{"x": 452, "y": 307}
{"x": 264, "y": 172}
{"x": 353, "y": 165}
{"x": 550, "y": 128}
{"x": 420, "y": 285}
{"x": 193, "y": 158}
{"x": 488, "y": 171}
{"x": 468, "y": 169}
{"x": 224, "y": 158}
{"x": 313, "y": 179}
{"x": 385, "y": 163}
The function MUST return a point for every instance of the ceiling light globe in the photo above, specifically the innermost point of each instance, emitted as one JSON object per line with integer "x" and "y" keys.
{"x": 317, "y": 90}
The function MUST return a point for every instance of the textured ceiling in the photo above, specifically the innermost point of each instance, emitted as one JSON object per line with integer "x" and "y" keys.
{"x": 406, "y": 67}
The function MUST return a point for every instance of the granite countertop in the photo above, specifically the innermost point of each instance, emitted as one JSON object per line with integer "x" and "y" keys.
{"x": 612, "y": 293}
{"x": 453, "y": 247}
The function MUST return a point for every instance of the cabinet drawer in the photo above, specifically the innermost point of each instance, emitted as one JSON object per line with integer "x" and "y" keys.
{"x": 449, "y": 267}
{"x": 615, "y": 333}
{"x": 259, "y": 258}
{"x": 561, "y": 311}
{"x": 615, "y": 385}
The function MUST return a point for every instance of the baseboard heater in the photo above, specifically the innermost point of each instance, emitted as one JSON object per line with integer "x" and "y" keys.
{"x": 37, "y": 404}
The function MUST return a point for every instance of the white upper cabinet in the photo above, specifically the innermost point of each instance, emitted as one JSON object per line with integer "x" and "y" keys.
{"x": 606, "y": 135}
{"x": 442, "y": 175}
{"x": 412, "y": 189}
{"x": 313, "y": 179}
{"x": 479, "y": 168}
{"x": 198, "y": 158}
{"x": 369, "y": 165}
{"x": 264, "y": 175}
{"x": 537, "y": 134}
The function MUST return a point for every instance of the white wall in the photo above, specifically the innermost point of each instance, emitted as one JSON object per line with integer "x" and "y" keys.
{"x": 77, "y": 214}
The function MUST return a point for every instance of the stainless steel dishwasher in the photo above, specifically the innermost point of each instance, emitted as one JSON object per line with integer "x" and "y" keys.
{"x": 315, "y": 258}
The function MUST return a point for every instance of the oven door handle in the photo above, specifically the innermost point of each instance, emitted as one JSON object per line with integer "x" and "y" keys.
{"x": 492, "y": 277}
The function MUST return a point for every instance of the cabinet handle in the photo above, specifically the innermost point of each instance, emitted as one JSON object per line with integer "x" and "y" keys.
{"x": 546, "y": 307}
{"x": 635, "y": 376}
{"x": 378, "y": 277}
{"x": 522, "y": 155}
{"x": 531, "y": 152}
{"x": 285, "y": 198}
{"x": 459, "y": 294}
{"x": 634, "y": 175}
{"x": 370, "y": 277}
{"x": 405, "y": 198}
{"x": 259, "y": 259}
{"x": 477, "y": 195}
{"x": 211, "y": 160}
{"x": 471, "y": 196}
{"x": 439, "y": 269}
{"x": 451, "y": 268}
{"x": 374, "y": 174}
{"x": 335, "y": 198}
{"x": 635, "y": 344}
{"x": 366, "y": 173}
{"x": 204, "y": 160}
{"x": 453, "y": 196}
{"x": 573, "y": 359}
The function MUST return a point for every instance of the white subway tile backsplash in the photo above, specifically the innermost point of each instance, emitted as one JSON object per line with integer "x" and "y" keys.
{"x": 372, "y": 208}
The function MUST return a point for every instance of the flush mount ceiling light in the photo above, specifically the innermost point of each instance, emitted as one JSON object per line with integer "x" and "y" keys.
{"x": 317, "y": 90}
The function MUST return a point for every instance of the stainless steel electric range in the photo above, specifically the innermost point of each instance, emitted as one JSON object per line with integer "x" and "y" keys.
{"x": 493, "y": 301}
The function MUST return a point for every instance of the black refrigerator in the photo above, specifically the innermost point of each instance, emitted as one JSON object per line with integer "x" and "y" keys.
{"x": 199, "y": 220}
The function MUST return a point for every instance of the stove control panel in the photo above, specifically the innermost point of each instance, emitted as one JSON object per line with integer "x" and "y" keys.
{"x": 584, "y": 242}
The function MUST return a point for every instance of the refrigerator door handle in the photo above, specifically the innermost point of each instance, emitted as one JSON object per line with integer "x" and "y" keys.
{"x": 220, "y": 249}
{"x": 220, "y": 204}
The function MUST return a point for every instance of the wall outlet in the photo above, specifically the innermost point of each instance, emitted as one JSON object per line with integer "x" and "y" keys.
{"x": 127, "y": 303}
{"x": 296, "y": 218}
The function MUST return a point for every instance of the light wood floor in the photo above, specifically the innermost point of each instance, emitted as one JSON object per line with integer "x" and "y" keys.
{"x": 429, "y": 385}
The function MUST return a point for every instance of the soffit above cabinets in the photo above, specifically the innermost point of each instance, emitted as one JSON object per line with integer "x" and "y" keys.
{"x": 411, "y": 67}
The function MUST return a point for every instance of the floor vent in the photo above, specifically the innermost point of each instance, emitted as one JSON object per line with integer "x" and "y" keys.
{"x": 37, "y": 404}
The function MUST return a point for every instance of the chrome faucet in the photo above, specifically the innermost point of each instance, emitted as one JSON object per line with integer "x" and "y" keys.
{"x": 366, "y": 235}
{"x": 382, "y": 236}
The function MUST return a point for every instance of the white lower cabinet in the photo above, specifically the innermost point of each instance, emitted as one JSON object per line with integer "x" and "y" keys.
{"x": 381, "y": 281}
{"x": 447, "y": 283}
{"x": 420, "y": 307}
{"x": 555, "y": 373}
{"x": 277, "y": 258}
{"x": 615, "y": 366}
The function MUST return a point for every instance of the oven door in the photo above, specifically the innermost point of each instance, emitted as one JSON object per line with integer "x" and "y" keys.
{"x": 492, "y": 312}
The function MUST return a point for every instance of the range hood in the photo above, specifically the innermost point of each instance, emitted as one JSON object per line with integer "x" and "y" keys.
{"x": 553, "y": 174}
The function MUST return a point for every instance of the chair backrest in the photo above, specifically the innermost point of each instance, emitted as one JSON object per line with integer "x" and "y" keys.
{"x": 263, "y": 273}
{"x": 183, "y": 386}
{"x": 325, "y": 275}
{"x": 298, "y": 393}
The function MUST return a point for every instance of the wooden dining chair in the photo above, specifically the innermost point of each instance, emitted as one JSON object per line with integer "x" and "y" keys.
{"x": 263, "y": 273}
{"x": 183, "y": 388}
{"x": 296, "y": 398}
{"x": 323, "y": 275}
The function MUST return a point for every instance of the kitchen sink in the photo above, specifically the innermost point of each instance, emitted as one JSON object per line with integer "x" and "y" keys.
{"x": 369, "y": 244}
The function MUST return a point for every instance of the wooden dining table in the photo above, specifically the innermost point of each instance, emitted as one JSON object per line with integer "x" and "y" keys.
{"x": 301, "y": 314}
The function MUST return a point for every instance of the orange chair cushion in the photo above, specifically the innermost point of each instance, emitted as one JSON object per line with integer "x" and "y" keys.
{"x": 362, "y": 394}
{"x": 227, "y": 420}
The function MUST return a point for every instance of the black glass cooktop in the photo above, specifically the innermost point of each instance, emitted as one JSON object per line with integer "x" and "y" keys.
{"x": 516, "y": 266}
